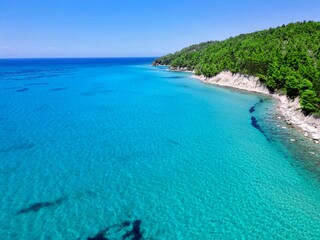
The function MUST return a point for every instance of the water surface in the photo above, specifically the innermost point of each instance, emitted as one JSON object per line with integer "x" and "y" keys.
{"x": 118, "y": 149}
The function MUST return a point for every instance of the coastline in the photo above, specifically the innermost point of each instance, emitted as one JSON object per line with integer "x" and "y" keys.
{"x": 289, "y": 110}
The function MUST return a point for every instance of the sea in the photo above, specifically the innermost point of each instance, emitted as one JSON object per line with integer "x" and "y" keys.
{"x": 115, "y": 148}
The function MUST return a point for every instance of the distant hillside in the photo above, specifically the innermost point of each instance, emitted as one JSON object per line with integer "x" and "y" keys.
{"x": 285, "y": 58}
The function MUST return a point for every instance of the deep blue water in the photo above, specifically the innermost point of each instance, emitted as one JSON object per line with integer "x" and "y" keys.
{"x": 120, "y": 149}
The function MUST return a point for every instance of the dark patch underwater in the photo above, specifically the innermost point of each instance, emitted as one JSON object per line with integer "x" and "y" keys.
{"x": 23, "y": 90}
{"x": 173, "y": 142}
{"x": 35, "y": 207}
{"x": 17, "y": 147}
{"x": 255, "y": 124}
{"x": 134, "y": 234}
{"x": 59, "y": 89}
{"x": 252, "y": 109}
{"x": 35, "y": 84}
{"x": 174, "y": 77}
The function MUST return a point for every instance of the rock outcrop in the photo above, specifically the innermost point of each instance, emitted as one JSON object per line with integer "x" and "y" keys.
{"x": 239, "y": 81}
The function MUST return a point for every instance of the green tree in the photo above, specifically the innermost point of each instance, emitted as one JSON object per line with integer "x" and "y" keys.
{"x": 309, "y": 101}
{"x": 292, "y": 86}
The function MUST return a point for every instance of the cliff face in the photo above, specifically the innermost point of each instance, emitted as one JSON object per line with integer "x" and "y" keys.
{"x": 239, "y": 81}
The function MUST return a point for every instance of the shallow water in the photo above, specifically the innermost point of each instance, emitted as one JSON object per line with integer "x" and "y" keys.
{"x": 118, "y": 149}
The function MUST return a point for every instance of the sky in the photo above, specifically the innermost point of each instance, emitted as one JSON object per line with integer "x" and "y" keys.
{"x": 135, "y": 28}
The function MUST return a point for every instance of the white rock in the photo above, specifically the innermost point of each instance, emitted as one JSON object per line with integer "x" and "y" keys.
{"x": 315, "y": 136}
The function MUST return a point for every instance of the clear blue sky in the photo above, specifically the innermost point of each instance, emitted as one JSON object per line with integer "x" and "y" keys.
{"x": 116, "y": 28}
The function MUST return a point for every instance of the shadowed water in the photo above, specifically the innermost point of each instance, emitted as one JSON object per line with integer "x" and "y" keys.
{"x": 35, "y": 207}
{"x": 122, "y": 230}
{"x": 118, "y": 149}
{"x": 59, "y": 89}
{"x": 23, "y": 90}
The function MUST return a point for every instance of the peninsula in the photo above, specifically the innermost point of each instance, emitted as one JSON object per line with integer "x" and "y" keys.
{"x": 283, "y": 62}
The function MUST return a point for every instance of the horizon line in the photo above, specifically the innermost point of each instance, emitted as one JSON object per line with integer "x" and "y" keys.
{"x": 71, "y": 57}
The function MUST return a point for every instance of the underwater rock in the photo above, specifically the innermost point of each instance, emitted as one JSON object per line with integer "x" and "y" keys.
{"x": 23, "y": 90}
{"x": 252, "y": 109}
{"x": 134, "y": 234}
{"x": 34, "y": 84}
{"x": 173, "y": 77}
{"x": 35, "y": 207}
{"x": 254, "y": 123}
{"x": 173, "y": 142}
{"x": 126, "y": 224}
{"x": 59, "y": 89}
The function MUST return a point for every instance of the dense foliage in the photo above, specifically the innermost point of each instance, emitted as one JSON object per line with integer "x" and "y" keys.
{"x": 285, "y": 58}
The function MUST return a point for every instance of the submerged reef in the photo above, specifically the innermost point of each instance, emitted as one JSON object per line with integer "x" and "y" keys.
{"x": 255, "y": 124}
{"x": 59, "y": 89}
{"x": 252, "y": 109}
{"x": 23, "y": 90}
{"x": 35, "y": 207}
{"x": 134, "y": 234}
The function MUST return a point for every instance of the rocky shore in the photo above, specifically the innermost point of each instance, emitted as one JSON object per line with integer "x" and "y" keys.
{"x": 289, "y": 109}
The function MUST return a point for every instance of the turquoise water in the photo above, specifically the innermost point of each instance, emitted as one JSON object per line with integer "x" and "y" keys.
{"x": 118, "y": 149}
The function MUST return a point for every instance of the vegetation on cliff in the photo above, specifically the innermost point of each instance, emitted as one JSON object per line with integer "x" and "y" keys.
{"x": 285, "y": 58}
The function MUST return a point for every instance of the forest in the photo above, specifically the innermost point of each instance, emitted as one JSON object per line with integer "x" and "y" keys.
{"x": 286, "y": 59}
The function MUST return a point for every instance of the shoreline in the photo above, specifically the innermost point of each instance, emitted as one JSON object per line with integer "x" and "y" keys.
{"x": 290, "y": 110}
